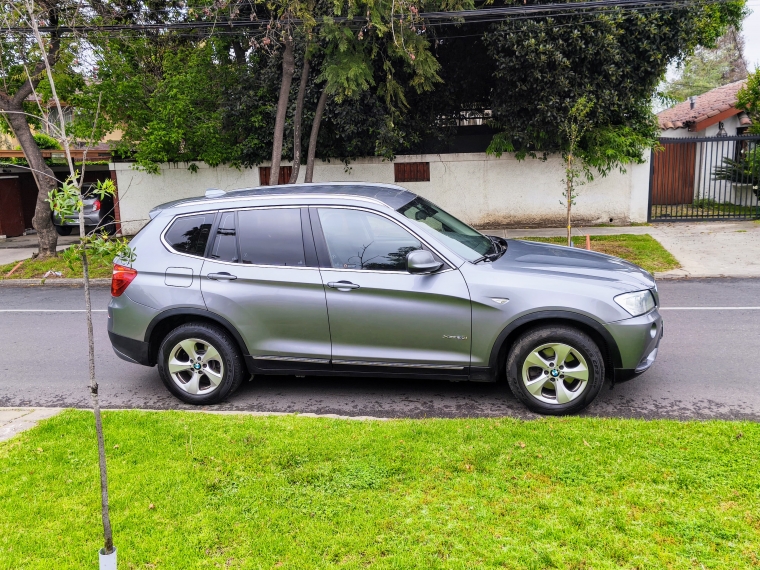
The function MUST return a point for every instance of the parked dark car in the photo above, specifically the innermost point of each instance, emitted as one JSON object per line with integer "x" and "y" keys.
{"x": 98, "y": 213}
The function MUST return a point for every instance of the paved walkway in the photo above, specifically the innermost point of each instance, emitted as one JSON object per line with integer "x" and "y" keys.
{"x": 15, "y": 420}
{"x": 705, "y": 249}
{"x": 22, "y": 247}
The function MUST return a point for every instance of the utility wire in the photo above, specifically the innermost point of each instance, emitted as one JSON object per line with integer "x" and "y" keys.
{"x": 484, "y": 15}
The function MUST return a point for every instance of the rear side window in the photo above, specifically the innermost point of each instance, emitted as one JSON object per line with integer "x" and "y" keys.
{"x": 271, "y": 237}
{"x": 189, "y": 234}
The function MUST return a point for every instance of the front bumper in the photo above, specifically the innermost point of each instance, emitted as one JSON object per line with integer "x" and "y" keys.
{"x": 638, "y": 340}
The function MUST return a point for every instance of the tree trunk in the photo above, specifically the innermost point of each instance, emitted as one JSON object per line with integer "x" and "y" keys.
{"x": 569, "y": 195}
{"x": 288, "y": 69}
{"x": 314, "y": 134}
{"x": 297, "y": 120}
{"x": 46, "y": 235}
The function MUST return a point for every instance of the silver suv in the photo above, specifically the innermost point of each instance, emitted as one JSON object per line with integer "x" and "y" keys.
{"x": 372, "y": 280}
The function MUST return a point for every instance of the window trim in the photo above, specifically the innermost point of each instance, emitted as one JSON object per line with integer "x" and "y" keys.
{"x": 321, "y": 242}
{"x": 175, "y": 218}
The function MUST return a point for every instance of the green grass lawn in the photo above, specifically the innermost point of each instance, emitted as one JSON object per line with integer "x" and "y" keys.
{"x": 192, "y": 490}
{"x": 36, "y": 268}
{"x": 643, "y": 250}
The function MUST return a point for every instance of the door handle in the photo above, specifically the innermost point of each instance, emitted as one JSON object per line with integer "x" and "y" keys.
{"x": 342, "y": 285}
{"x": 223, "y": 276}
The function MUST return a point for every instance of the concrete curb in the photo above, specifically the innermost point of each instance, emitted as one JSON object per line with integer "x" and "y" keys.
{"x": 15, "y": 420}
{"x": 25, "y": 418}
{"x": 55, "y": 282}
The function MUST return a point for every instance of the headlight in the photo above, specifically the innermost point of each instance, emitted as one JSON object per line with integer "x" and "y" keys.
{"x": 636, "y": 303}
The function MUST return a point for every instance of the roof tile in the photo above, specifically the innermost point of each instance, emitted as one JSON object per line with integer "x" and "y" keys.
{"x": 707, "y": 105}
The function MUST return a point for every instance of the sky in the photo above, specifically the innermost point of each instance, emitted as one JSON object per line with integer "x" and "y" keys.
{"x": 751, "y": 33}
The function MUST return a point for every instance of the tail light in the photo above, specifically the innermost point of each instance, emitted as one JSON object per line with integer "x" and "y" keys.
{"x": 122, "y": 277}
{"x": 96, "y": 206}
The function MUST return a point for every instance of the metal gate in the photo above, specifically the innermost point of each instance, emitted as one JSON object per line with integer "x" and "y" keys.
{"x": 710, "y": 178}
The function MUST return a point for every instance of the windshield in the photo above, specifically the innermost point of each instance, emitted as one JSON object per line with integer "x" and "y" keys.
{"x": 458, "y": 236}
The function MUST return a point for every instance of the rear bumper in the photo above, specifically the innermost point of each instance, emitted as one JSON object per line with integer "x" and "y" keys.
{"x": 92, "y": 219}
{"x": 130, "y": 349}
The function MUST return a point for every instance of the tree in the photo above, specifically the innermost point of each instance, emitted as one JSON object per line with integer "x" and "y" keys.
{"x": 23, "y": 69}
{"x": 709, "y": 68}
{"x": 748, "y": 98}
{"x": 543, "y": 67}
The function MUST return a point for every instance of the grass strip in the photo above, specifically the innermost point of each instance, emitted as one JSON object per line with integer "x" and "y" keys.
{"x": 36, "y": 268}
{"x": 643, "y": 250}
{"x": 193, "y": 490}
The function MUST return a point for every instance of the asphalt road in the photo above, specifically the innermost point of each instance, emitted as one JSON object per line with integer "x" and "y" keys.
{"x": 705, "y": 369}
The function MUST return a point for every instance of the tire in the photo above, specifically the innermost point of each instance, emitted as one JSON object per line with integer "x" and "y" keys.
{"x": 190, "y": 344}
{"x": 64, "y": 230}
{"x": 572, "y": 389}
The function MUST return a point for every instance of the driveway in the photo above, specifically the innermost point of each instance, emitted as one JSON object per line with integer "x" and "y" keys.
{"x": 704, "y": 370}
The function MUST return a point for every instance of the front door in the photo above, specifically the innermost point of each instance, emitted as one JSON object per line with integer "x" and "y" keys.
{"x": 381, "y": 315}
{"x": 262, "y": 276}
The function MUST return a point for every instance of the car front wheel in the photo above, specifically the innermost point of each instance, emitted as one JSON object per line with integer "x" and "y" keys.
{"x": 200, "y": 364}
{"x": 555, "y": 370}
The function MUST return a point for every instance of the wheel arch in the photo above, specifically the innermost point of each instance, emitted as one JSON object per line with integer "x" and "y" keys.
{"x": 163, "y": 323}
{"x": 591, "y": 327}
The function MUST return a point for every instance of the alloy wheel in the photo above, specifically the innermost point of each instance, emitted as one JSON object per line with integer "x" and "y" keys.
{"x": 196, "y": 366}
{"x": 555, "y": 373}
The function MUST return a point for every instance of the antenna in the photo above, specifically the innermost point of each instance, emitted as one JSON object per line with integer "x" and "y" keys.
{"x": 214, "y": 193}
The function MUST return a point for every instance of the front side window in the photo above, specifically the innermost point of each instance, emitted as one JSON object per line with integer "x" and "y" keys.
{"x": 362, "y": 240}
{"x": 189, "y": 234}
{"x": 458, "y": 236}
{"x": 271, "y": 237}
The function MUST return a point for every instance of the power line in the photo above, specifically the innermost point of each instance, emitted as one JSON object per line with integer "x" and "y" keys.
{"x": 484, "y": 15}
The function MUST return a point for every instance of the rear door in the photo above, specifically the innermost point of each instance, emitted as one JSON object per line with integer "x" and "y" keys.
{"x": 381, "y": 316}
{"x": 261, "y": 274}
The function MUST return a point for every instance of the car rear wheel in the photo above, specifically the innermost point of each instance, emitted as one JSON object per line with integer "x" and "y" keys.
{"x": 555, "y": 370}
{"x": 64, "y": 230}
{"x": 200, "y": 364}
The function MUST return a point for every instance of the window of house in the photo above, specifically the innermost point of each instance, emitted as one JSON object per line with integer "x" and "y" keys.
{"x": 189, "y": 234}
{"x": 271, "y": 236}
{"x": 225, "y": 241}
{"x": 361, "y": 240}
{"x": 412, "y": 171}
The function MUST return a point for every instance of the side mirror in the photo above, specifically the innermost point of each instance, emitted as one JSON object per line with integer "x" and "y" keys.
{"x": 421, "y": 262}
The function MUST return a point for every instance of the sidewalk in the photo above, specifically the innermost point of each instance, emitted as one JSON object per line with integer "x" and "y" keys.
{"x": 15, "y": 420}
{"x": 704, "y": 249}
{"x": 22, "y": 247}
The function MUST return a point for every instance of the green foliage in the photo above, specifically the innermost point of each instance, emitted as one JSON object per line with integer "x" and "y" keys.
{"x": 543, "y": 67}
{"x": 746, "y": 170}
{"x": 709, "y": 68}
{"x": 748, "y": 98}
{"x": 46, "y": 142}
{"x": 66, "y": 201}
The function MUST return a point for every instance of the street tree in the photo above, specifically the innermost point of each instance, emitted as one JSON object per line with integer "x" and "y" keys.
{"x": 22, "y": 70}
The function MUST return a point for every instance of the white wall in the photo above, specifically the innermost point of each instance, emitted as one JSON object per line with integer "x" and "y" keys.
{"x": 484, "y": 191}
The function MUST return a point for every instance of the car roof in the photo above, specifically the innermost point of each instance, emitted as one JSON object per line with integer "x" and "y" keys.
{"x": 388, "y": 194}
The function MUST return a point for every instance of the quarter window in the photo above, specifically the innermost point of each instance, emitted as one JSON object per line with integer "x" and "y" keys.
{"x": 362, "y": 240}
{"x": 189, "y": 234}
{"x": 271, "y": 237}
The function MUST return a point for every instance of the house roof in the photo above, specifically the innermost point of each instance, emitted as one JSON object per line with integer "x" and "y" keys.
{"x": 709, "y": 108}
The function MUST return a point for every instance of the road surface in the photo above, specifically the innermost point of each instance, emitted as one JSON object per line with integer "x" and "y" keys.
{"x": 707, "y": 366}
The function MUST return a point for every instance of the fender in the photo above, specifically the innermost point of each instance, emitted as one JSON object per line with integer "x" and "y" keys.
{"x": 614, "y": 351}
{"x": 181, "y": 311}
